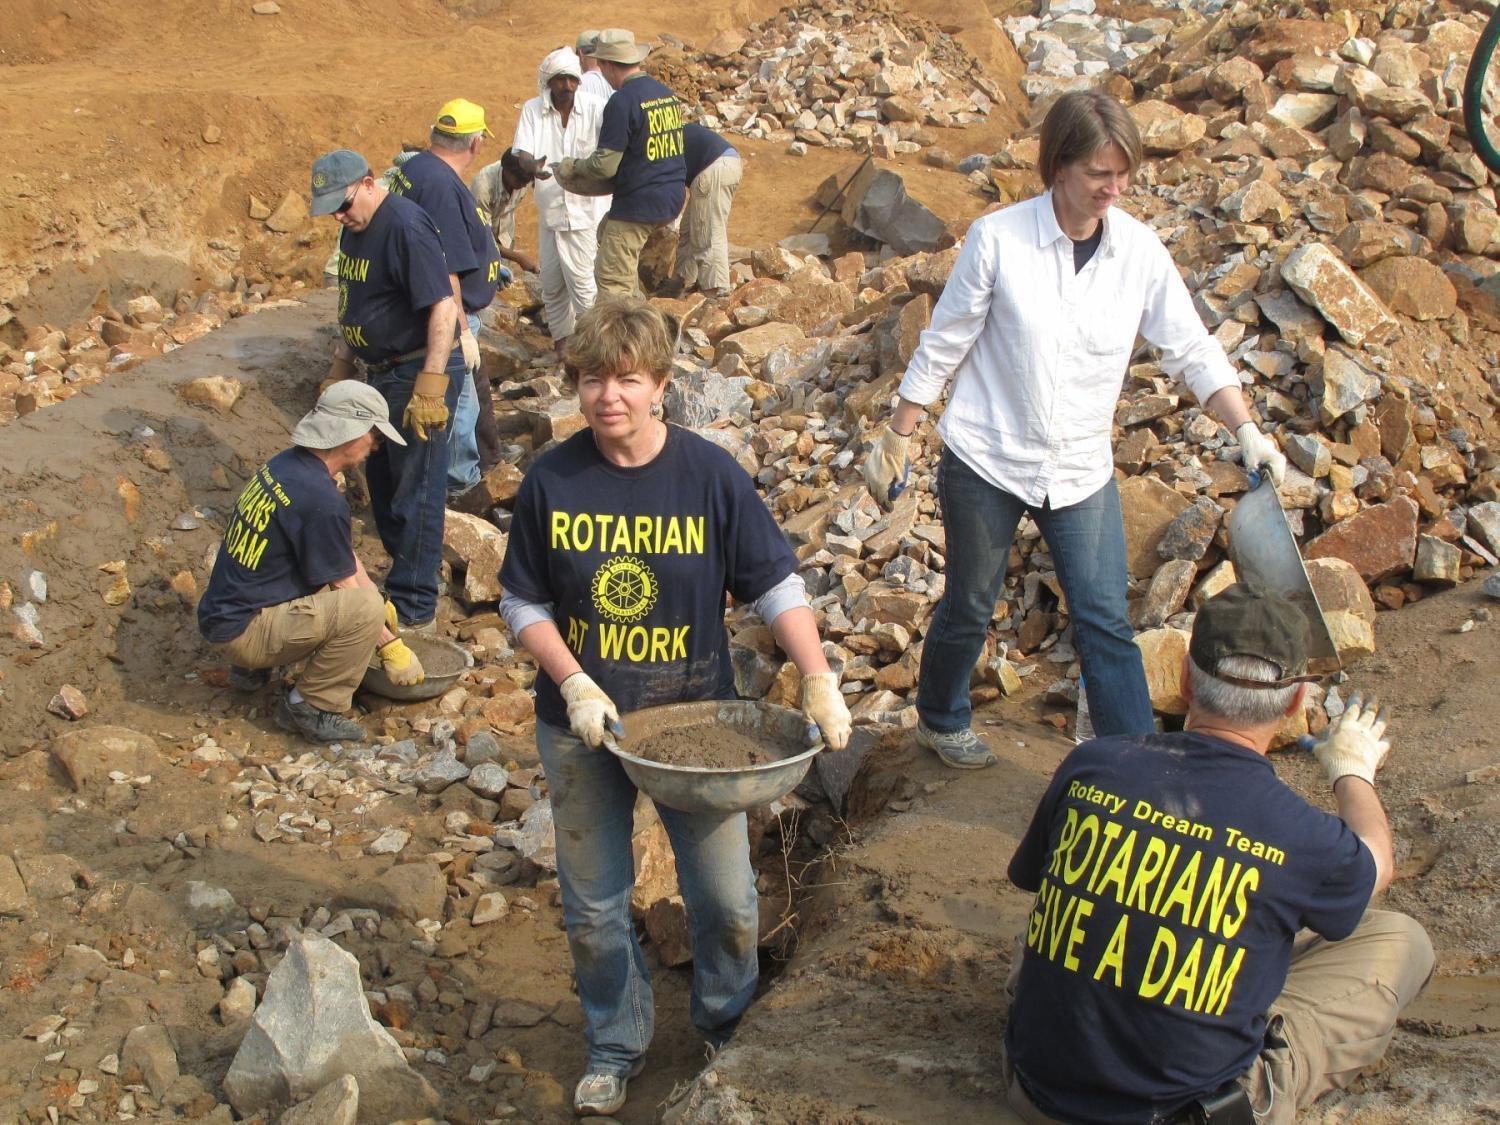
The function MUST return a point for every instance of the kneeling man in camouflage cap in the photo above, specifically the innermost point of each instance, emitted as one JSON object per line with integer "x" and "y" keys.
{"x": 287, "y": 585}
{"x": 1202, "y": 945}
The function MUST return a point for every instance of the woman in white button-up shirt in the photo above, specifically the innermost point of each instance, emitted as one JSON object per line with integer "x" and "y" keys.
{"x": 1035, "y": 330}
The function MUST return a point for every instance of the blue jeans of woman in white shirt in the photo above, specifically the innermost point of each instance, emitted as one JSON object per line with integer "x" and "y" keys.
{"x": 1087, "y": 541}
{"x": 593, "y": 805}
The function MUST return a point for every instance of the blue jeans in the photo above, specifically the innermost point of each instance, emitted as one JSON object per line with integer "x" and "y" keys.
{"x": 1087, "y": 541}
{"x": 407, "y": 493}
{"x": 463, "y": 446}
{"x": 593, "y": 805}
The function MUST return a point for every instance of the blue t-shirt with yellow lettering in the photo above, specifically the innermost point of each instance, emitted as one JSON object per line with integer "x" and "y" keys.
{"x": 390, "y": 274}
{"x": 467, "y": 243}
{"x": 1171, "y": 875}
{"x": 644, "y": 122}
{"x": 287, "y": 537}
{"x": 635, "y": 563}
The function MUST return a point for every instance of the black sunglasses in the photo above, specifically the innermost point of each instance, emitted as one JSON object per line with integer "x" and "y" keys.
{"x": 343, "y": 207}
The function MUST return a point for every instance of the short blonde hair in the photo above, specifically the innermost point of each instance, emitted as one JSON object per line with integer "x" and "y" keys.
{"x": 1081, "y": 123}
{"x": 620, "y": 334}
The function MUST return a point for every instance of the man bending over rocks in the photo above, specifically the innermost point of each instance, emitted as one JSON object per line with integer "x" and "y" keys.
{"x": 287, "y": 586}
{"x": 1202, "y": 946}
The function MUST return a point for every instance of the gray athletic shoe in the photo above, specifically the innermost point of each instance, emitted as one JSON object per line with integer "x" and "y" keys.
{"x": 315, "y": 725}
{"x": 599, "y": 1095}
{"x": 960, "y": 749}
{"x": 248, "y": 679}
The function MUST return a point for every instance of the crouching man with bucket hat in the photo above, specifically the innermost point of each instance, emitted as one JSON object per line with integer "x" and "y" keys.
{"x": 287, "y": 585}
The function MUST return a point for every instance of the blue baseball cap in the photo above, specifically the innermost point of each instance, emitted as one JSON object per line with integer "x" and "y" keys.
{"x": 331, "y": 176}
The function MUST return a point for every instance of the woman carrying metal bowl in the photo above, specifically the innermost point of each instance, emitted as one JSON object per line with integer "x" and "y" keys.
{"x": 625, "y": 539}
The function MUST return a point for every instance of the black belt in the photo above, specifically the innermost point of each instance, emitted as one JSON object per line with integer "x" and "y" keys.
{"x": 386, "y": 364}
{"x": 1228, "y": 1105}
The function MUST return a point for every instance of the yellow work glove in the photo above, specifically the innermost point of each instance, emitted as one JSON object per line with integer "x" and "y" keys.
{"x": 339, "y": 370}
{"x": 886, "y": 467}
{"x": 392, "y": 622}
{"x": 427, "y": 406}
{"x": 823, "y": 705}
{"x": 401, "y": 664}
{"x": 1355, "y": 744}
{"x": 470, "y": 347}
{"x": 589, "y": 709}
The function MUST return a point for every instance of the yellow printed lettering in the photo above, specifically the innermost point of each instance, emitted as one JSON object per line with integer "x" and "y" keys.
{"x": 583, "y": 533}
{"x": 679, "y": 643}
{"x": 1250, "y": 882}
{"x": 560, "y": 524}
{"x": 1165, "y": 945}
{"x": 1114, "y": 952}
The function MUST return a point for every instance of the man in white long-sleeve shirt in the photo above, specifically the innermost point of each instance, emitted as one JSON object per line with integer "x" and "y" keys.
{"x": 561, "y": 121}
{"x": 1035, "y": 329}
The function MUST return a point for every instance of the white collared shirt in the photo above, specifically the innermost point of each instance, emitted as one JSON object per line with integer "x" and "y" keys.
{"x": 1037, "y": 354}
{"x": 540, "y": 132}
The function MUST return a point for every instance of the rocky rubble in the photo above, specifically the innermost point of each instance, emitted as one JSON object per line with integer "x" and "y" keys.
{"x": 867, "y": 76}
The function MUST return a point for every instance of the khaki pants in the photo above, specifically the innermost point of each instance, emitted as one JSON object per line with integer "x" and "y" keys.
{"x": 333, "y": 630}
{"x": 703, "y": 252}
{"x": 1333, "y": 1019}
{"x": 618, "y": 261}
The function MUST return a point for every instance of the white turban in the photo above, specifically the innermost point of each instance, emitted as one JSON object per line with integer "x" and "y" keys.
{"x": 564, "y": 60}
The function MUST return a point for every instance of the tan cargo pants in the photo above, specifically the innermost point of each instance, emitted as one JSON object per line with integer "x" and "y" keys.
{"x": 617, "y": 262}
{"x": 703, "y": 251}
{"x": 1335, "y": 1016}
{"x": 333, "y": 630}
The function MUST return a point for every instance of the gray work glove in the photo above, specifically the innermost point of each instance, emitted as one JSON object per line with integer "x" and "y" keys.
{"x": 886, "y": 467}
{"x": 591, "y": 713}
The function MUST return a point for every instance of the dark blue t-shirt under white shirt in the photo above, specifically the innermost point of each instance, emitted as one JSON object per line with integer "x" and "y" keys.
{"x": 390, "y": 274}
{"x": 288, "y": 537}
{"x": 643, "y": 121}
{"x": 468, "y": 245}
{"x": 702, "y": 147}
{"x": 1172, "y": 874}
{"x": 635, "y": 563}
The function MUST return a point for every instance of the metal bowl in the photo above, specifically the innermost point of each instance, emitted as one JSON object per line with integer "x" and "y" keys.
{"x": 1264, "y": 553}
{"x": 442, "y": 660}
{"x": 701, "y": 789}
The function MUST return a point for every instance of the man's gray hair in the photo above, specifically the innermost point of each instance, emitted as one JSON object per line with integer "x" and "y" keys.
{"x": 453, "y": 142}
{"x": 1251, "y": 706}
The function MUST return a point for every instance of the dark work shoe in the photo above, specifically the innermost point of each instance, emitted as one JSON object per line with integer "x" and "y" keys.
{"x": 248, "y": 679}
{"x": 315, "y": 725}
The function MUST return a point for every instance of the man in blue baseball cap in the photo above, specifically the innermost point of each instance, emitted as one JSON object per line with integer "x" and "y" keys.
{"x": 398, "y": 316}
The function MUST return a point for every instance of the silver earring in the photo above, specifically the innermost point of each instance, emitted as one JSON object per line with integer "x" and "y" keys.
{"x": 656, "y": 410}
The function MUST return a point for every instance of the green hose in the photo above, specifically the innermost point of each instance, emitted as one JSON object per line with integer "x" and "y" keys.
{"x": 1479, "y": 66}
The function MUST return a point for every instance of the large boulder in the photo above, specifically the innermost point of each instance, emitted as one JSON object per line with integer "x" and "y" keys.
{"x": 314, "y": 1026}
{"x": 478, "y": 548}
{"x": 89, "y": 755}
{"x": 1162, "y": 651}
{"x": 1149, "y": 507}
{"x": 1378, "y": 542}
{"x": 1322, "y": 279}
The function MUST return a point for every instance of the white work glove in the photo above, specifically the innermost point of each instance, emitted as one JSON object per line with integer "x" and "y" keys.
{"x": 1259, "y": 452}
{"x": 1354, "y": 744}
{"x": 823, "y": 704}
{"x": 470, "y": 347}
{"x": 886, "y": 467}
{"x": 589, "y": 709}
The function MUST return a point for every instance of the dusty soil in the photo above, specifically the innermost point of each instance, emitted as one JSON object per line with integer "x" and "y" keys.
{"x": 711, "y": 746}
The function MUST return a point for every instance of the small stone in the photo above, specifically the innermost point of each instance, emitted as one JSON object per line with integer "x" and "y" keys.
{"x": 1308, "y": 454}
{"x": 290, "y": 213}
{"x": 259, "y": 210}
{"x": 266, "y": 8}
{"x": 212, "y": 909}
{"x": 12, "y": 888}
{"x": 212, "y": 134}
{"x": 238, "y": 1001}
{"x": 1189, "y": 535}
{"x": 488, "y": 779}
{"x": 1162, "y": 651}
{"x": 438, "y": 774}
{"x": 220, "y": 392}
{"x": 69, "y": 703}
{"x": 390, "y": 842}
{"x": 1166, "y": 594}
{"x": 1165, "y": 129}
{"x": 1491, "y": 587}
{"x": 489, "y": 907}
{"x": 1437, "y": 563}
{"x": 335, "y": 1104}
{"x": 149, "y": 1049}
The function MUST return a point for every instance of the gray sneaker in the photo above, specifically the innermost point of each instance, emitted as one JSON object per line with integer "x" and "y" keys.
{"x": 599, "y": 1095}
{"x": 315, "y": 725}
{"x": 960, "y": 749}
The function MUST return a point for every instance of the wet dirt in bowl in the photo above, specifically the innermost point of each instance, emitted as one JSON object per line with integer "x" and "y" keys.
{"x": 707, "y": 746}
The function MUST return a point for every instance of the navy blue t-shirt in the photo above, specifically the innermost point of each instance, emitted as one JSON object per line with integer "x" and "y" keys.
{"x": 703, "y": 146}
{"x": 1171, "y": 875}
{"x": 390, "y": 274}
{"x": 467, "y": 243}
{"x": 288, "y": 537}
{"x": 643, "y": 120}
{"x": 635, "y": 563}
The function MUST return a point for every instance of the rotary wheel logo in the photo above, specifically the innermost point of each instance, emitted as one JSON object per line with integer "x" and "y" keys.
{"x": 319, "y": 180}
{"x": 624, "y": 589}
